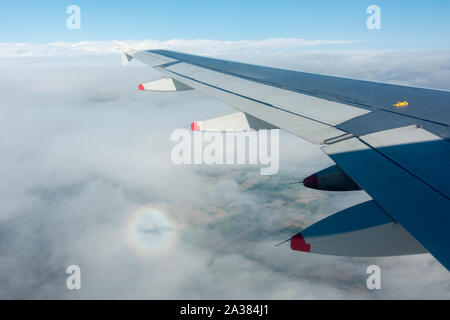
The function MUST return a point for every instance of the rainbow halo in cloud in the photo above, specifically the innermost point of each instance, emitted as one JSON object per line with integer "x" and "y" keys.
{"x": 150, "y": 231}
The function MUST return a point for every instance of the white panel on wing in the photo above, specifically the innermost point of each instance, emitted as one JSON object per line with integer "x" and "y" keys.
{"x": 323, "y": 110}
{"x": 185, "y": 69}
{"x": 224, "y": 81}
{"x": 152, "y": 59}
{"x": 211, "y": 78}
{"x": 232, "y": 122}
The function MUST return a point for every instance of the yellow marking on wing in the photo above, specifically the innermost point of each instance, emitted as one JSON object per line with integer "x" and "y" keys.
{"x": 401, "y": 104}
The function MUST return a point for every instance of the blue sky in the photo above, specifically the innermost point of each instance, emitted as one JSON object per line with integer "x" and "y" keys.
{"x": 405, "y": 24}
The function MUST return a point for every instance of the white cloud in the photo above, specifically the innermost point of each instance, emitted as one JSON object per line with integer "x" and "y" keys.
{"x": 419, "y": 68}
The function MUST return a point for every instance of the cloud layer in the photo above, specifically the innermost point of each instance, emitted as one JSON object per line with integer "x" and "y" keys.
{"x": 419, "y": 68}
{"x": 197, "y": 46}
{"x": 85, "y": 156}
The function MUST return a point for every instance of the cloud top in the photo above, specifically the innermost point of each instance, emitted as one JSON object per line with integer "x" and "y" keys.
{"x": 197, "y": 46}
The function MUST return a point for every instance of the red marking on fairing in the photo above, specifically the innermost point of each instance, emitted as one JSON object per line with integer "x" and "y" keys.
{"x": 298, "y": 243}
{"x": 141, "y": 87}
{"x": 311, "y": 182}
{"x": 195, "y": 126}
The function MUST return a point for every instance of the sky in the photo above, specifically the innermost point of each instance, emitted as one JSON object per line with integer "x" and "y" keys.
{"x": 405, "y": 25}
{"x": 86, "y": 172}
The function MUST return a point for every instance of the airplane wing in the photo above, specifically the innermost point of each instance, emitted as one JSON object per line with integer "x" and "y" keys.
{"x": 390, "y": 140}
